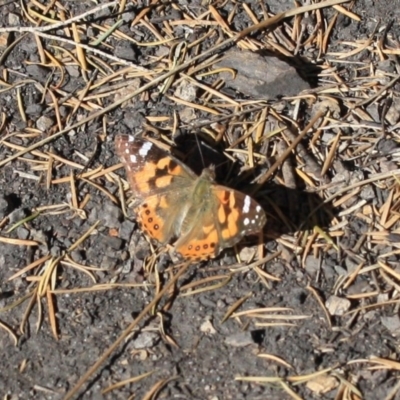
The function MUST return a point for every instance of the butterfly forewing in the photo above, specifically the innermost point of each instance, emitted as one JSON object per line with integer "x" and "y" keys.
{"x": 237, "y": 215}
{"x": 149, "y": 169}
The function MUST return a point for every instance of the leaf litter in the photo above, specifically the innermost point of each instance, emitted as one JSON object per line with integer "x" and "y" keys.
{"x": 323, "y": 162}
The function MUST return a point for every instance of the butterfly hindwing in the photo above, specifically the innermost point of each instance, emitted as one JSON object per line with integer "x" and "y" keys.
{"x": 224, "y": 221}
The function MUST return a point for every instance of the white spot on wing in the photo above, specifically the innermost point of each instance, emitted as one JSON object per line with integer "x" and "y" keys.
{"x": 246, "y": 206}
{"x": 127, "y": 151}
{"x": 145, "y": 149}
{"x": 246, "y": 221}
{"x": 131, "y": 138}
{"x": 258, "y": 208}
{"x": 133, "y": 158}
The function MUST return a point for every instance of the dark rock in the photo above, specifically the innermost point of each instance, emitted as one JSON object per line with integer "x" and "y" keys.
{"x": 260, "y": 76}
{"x": 111, "y": 241}
{"x": 112, "y": 216}
{"x": 3, "y": 206}
{"x": 126, "y": 229}
{"x": 126, "y": 51}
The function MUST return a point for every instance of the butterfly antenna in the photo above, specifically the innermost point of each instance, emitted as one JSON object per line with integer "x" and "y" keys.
{"x": 200, "y": 151}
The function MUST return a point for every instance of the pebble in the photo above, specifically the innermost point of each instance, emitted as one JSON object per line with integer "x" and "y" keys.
{"x": 126, "y": 229}
{"x": 241, "y": 339}
{"x": 337, "y": 305}
{"x": 44, "y": 123}
{"x": 22, "y": 233}
{"x": 17, "y": 215}
{"x": 126, "y": 51}
{"x": 186, "y": 91}
{"x": 392, "y": 324}
{"x": 112, "y": 216}
{"x": 3, "y": 206}
{"x": 111, "y": 241}
{"x": 145, "y": 340}
{"x": 108, "y": 263}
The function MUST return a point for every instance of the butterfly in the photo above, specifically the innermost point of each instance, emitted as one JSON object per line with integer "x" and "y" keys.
{"x": 174, "y": 203}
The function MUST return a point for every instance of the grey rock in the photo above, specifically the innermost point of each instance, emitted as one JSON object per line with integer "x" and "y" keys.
{"x": 77, "y": 256}
{"x": 260, "y": 76}
{"x": 93, "y": 215}
{"x": 37, "y": 72}
{"x": 128, "y": 16}
{"x": 126, "y": 51}
{"x": 145, "y": 340}
{"x": 312, "y": 265}
{"x": 368, "y": 192}
{"x": 3, "y": 206}
{"x": 127, "y": 267}
{"x": 112, "y": 216}
{"x": 17, "y": 215}
{"x": 55, "y": 251}
{"x": 108, "y": 263}
{"x": 241, "y": 339}
{"x": 392, "y": 324}
{"x": 44, "y": 123}
{"x": 111, "y": 241}
{"x": 34, "y": 109}
{"x": 22, "y": 233}
{"x": 126, "y": 229}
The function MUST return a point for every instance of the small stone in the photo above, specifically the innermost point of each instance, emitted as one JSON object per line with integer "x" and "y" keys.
{"x": 368, "y": 192}
{"x": 34, "y": 109}
{"x": 392, "y": 324}
{"x": 127, "y": 267}
{"x": 145, "y": 340}
{"x": 141, "y": 250}
{"x": 129, "y": 88}
{"x": 22, "y": 233}
{"x": 126, "y": 229}
{"x": 38, "y": 72}
{"x": 322, "y": 384}
{"x": 337, "y": 305}
{"x": 13, "y": 19}
{"x": 77, "y": 255}
{"x": 112, "y": 216}
{"x": 246, "y": 254}
{"x": 44, "y": 123}
{"x": 187, "y": 115}
{"x": 128, "y": 16}
{"x": 186, "y": 91}
{"x": 55, "y": 251}
{"x": 241, "y": 339}
{"x": 108, "y": 263}
{"x": 126, "y": 51}
{"x": 110, "y": 241}
{"x": 331, "y": 105}
{"x": 3, "y": 206}
{"x": 93, "y": 215}
{"x": 393, "y": 114}
{"x": 4, "y": 40}
{"x": 312, "y": 265}
{"x": 259, "y": 76}
{"x": 207, "y": 327}
{"x": 73, "y": 71}
{"x": 17, "y": 215}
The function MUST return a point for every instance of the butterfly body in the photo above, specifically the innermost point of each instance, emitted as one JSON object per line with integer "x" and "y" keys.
{"x": 173, "y": 203}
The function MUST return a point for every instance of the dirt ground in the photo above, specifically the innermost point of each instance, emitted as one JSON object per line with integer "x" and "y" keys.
{"x": 316, "y": 318}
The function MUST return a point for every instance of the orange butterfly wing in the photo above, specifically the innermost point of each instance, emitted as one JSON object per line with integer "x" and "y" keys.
{"x": 229, "y": 217}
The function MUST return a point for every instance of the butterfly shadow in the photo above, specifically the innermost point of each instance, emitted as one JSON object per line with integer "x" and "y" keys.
{"x": 288, "y": 210}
